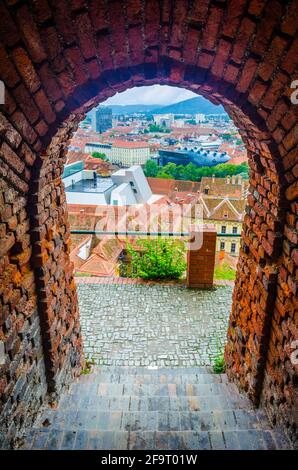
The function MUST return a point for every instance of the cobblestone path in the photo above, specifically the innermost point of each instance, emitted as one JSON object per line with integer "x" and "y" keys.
{"x": 153, "y": 325}
{"x": 140, "y": 408}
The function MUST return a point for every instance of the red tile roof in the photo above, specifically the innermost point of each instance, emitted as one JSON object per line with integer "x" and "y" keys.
{"x": 165, "y": 186}
{"x": 109, "y": 248}
{"x": 129, "y": 144}
{"x": 97, "y": 266}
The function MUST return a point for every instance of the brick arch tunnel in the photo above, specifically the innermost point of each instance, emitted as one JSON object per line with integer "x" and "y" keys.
{"x": 57, "y": 62}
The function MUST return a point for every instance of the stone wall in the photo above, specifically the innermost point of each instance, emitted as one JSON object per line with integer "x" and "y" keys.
{"x": 57, "y": 297}
{"x": 57, "y": 60}
{"x": 23, "y": 385}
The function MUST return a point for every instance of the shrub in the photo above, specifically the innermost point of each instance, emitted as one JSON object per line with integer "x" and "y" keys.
{"x": 224, "y": 272}
{"x": 159, "y": 258}
{"x": 219, "y": 365}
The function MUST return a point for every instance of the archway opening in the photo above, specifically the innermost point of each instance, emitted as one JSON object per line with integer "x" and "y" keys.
{"x": 183, "y": 143}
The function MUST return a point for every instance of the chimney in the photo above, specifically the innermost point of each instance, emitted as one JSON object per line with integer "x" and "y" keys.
{"x": 239, "y": 179}
{"x": 228, "y": 179}
{"x": 213, "y": 178}
{"x": 233, "y": 179}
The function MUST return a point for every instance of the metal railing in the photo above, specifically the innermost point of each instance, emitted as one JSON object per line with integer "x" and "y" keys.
{"x": 135, "y": 232}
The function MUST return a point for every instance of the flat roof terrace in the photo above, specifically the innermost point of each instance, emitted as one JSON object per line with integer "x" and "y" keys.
{"x": 98, "y": 185}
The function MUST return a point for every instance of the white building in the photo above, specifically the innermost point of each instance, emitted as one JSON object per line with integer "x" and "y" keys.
{"x": 99, "y": 147}
{"x": 164, "y": 120}
{"x": 200, "y": 118}
{"x": 124, "y": 153}
{"x": 125, "y": 187}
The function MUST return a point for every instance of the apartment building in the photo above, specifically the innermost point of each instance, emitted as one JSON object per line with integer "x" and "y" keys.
{"x": 122, "y": 153}
{"x": 224, "y": 201}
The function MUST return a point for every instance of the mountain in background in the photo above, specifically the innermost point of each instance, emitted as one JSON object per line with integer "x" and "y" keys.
{"x": 132, "y": 108}
{"x": 191, "y": 106}
{"x": 197, "y": 105}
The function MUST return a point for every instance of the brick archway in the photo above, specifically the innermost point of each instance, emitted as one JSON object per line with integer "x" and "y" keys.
{"x": 57, "y": 63}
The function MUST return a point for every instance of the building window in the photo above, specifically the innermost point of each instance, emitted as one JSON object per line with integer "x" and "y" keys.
{"x": 223, "y": 229}
{"x": 222, "y": 245}
{"x": 206, "y": 190}
{"x": 235, "y": 230}
{"x": 233, "y": 247}
{"x": 225, "y": 215}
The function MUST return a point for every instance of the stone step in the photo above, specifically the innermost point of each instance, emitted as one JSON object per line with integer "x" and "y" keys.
{"x": 132, "y": 370}
{"x": 125, "y": 408}
{"x": 150, "y": 390}
{"x": 47, "y": 439}
{"x": 157, "y": 403}
{"x": 153, "y": 420}
{"x": 145, "y": 378}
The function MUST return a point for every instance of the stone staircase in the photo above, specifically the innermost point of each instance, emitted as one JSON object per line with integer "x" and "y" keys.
{"x": 141, "y": 408}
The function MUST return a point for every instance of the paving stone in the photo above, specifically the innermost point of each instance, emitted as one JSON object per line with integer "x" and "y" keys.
{"x": 182, "y": 327}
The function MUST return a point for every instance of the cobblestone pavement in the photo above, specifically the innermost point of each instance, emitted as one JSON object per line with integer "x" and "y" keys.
{"x": 140, "y": 408}
{"x": 154, "y": 324}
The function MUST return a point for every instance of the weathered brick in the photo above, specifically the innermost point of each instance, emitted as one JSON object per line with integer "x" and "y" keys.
{"x": 11, "y": 158}
{"x": 30, "y": 34}
{"x": 26, "y": 69}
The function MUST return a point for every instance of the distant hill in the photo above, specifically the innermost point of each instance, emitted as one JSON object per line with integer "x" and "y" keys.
{"x": 133, "y": 108}
{"x": 191, "y": 106}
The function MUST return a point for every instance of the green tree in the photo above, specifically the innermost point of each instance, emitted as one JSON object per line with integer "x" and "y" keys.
{"x": 151, "y": 168}
{"x": 226, "y": 136}
{"x": 192, "y": 172}
{"x": 156, "y": 128}
{"x": 164, "y": 175}
{"x": 100, "y": 155}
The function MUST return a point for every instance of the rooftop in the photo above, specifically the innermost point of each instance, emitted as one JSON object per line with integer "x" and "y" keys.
{"x": 98, "y": 185}
{"x": 231, "y": 186}
{"x": 129, "y": 144}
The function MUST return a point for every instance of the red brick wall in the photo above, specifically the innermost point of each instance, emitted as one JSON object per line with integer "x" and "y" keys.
{"x": 57, "y": 60}
{"x": 57, "y": 297}
{"x": 201, "y": 259}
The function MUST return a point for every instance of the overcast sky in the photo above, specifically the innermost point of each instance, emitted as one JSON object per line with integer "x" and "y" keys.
{"x": 155, "y": 94}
